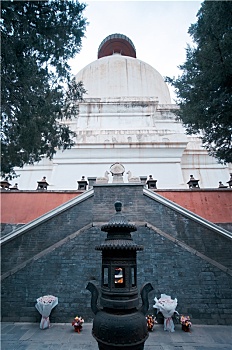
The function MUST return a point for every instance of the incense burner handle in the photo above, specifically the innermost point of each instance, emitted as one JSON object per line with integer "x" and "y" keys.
{"x": 94, "y": 292}
{"x": 146, "y": 288}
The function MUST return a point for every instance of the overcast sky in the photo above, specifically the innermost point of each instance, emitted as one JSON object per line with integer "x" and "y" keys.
{"x": 158, "y": 29}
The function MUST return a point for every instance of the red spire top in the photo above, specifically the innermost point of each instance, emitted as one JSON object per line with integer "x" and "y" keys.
{"x": 116, "y": 43}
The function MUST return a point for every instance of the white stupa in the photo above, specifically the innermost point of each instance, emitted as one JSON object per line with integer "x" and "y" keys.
{"x": 127, "y": 118}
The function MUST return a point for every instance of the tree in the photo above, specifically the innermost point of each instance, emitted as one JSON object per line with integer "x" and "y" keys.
{"x": 38, "y": 93}
{"x": 204, "y": 90}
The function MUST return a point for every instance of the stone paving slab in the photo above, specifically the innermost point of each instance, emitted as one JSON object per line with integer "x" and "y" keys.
{"x": 28, "y": 336}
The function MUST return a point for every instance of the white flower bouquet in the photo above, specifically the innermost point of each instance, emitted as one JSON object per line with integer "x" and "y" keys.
{"x": 45, "y": 305}
{"x": 167, "y": 306}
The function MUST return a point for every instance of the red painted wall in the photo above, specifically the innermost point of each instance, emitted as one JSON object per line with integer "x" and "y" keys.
{"x": 23, "y": 207}
{"x": 214, "y": 206}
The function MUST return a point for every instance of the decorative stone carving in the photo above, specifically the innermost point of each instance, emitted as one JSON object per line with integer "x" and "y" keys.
{"x": 104, "y": 179}
{"x": 132, "y": 178}
{"x": 230, "y": 181}
{"x": 221, "y": 185}
{"x": 82, "y": 184}
{"x": 151, "y": 183}
{"x": 117, "y": 170}
{"x": 42, "y": 185}
{"x": 14, "y": 188}
{"x": 193, "y": 183}
{"x": 4, "y": 185}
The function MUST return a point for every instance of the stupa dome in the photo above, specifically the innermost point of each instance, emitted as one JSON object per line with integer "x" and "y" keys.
{"x": 117, "y": 75}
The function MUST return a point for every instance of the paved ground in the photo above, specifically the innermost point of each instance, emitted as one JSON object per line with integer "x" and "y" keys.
{"x": 28, "y": 336}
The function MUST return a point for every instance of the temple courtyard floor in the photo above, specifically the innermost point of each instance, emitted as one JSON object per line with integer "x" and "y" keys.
{"x": 28, "y": 336}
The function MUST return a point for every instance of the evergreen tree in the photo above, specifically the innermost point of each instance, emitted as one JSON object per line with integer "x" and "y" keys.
{"x": 38, "y": 39}
{"x": 204, "y": 90}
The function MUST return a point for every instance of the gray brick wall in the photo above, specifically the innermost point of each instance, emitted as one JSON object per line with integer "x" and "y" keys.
{"x": 198, "y": 237}
{"x": 32, "y": 242}
{"x": 203, "y": 290}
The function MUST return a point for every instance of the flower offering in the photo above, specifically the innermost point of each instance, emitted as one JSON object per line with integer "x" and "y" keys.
{"x": 151, "y": 320}
{"x": 186, "y": 323}
{"x": 45, "y": 305}
{"x": 167, "y": 306}
{"x": 77, "y": 323}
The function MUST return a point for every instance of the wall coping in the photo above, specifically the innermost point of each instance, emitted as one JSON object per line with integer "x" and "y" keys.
{"x": 187, "y": 213}
{"x": 89, "y": 193}
{"x": 61, "y": 208}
